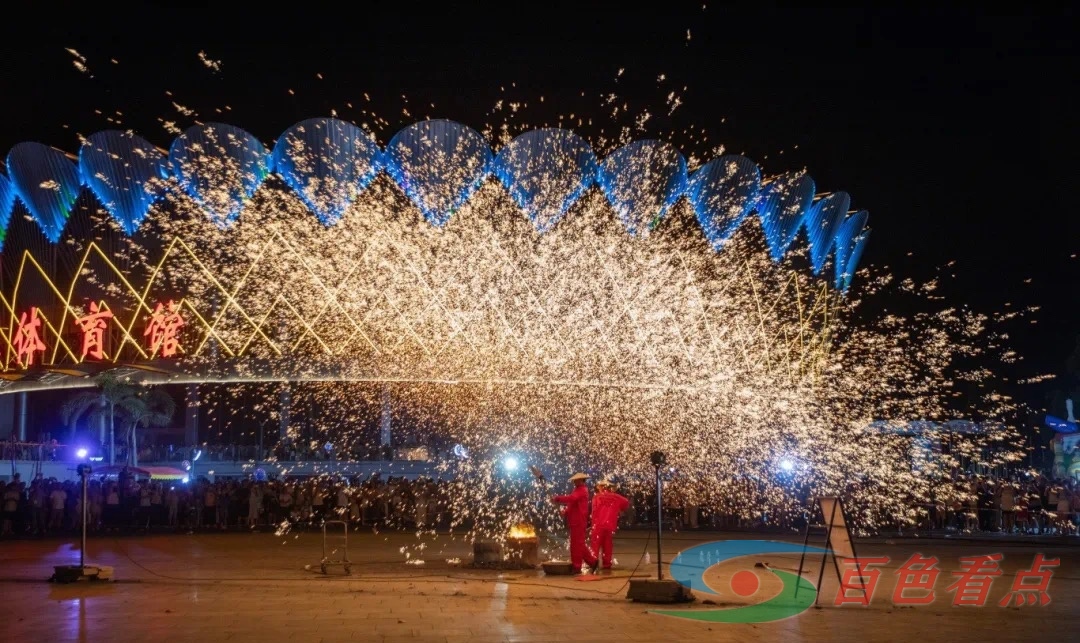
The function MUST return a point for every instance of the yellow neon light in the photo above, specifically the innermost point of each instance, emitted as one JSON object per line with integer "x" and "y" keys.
{"x": 810, "y": 350}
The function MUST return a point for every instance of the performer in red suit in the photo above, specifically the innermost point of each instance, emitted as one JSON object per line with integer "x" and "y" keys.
{"x": 606, "y": 507}
{"x": 576, "y": 514}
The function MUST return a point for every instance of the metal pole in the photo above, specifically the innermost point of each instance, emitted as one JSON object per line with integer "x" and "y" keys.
{"x": 659, "y": 525}
{"x": 82, "y": 550}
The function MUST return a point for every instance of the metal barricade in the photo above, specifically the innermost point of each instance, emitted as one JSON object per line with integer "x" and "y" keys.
{"x": 327, "y": 553}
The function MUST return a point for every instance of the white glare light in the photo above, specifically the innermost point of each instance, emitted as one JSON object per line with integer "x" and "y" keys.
{"x": 510, "y": 463}
{"x": 787, "y": 465}
{"x": 81, "y": 453}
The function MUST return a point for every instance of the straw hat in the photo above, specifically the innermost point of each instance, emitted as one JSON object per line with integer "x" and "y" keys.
{"x": 606, "y": 482}
{"x": 579, "y": 476}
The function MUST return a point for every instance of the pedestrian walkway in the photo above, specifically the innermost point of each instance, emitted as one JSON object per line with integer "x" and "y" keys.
{"x": 231, "y": 587}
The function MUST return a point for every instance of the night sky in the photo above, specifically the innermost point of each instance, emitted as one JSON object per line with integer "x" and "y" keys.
{"x": 954, "y": 128}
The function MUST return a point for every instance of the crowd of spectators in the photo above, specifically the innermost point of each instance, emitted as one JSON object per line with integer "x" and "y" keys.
{"x": 1012, "y": 505}
{"x": 124, "y": 504}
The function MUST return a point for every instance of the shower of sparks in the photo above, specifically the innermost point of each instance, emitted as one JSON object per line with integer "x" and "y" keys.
{"x": 79, "y": 61}
{"x": 209, "y": 63}
{"x": 584, "y": 349}
{"x": 580, "y": 349}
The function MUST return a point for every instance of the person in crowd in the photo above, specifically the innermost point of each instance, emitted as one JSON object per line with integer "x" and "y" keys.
{"x": 606, "y": 507}
{"x": 255, "y": 503}
{"x": 172, "y": 507}
{"x": 1007, "y": 502}
{"x": 57, "y": 501}
{"x": 10, "y": 507}
{"x": 576, "y": 515}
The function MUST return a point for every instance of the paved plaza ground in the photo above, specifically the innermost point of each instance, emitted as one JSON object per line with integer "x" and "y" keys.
{"x": 254, "y": 587}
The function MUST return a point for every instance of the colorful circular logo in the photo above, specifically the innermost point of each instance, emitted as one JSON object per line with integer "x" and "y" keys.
{"x": 689, "y": 567}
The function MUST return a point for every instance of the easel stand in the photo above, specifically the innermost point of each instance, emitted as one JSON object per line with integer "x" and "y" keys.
{"x": 837, "y": 540}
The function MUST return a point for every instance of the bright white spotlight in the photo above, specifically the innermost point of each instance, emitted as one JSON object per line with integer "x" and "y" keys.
{"x": 787, "y": 465}
{"x": 510, "y": 463}
{"x": 81, "y": 453}
{"x": 184, "y": 480}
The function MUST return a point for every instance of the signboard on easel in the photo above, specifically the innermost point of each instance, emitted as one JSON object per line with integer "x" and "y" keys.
{"x": 839, "y": 536}
{"x": 837, "y": 542}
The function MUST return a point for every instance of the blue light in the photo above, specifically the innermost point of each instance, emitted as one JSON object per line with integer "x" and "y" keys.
{"x": 81, "y": 453}
{"x": 327, "y": 162}
{"x": 787, "y": 465}
{"x": 510, "y": 463}
{"x": 822, "y": 223}
{"x": 723, "y": 191}
{"x": 7, "y": 202}
{"x": 47, "y": 183}
{"x": 546, "y": 171}
{"x": 781, "y": 207}
{"x": 847, "y": 238}
{"x": 126, "y": 174}
{"x": 641, "y": 181}
{"x": 438, "y": 164}
{"x": 220, "y": 166}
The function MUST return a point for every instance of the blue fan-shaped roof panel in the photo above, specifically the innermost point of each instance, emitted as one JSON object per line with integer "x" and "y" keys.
{"x": 328, "y": 162}
{"x": 641, "y": 181}
{"x": 723, "y": 191}
{"x": 546, "y": 171}
{"x": 822, "y": 223}
{"x": 220, "y": 166}
{"x": 439, "y": 164}
{"x": 854, "y": 258}
{"x": 781, "y": 206}
{"x": 47, "y": 182}
{"x": 125, "y": 172}
{"x": 850, "y": 231}
{"x": 7, "y": 202}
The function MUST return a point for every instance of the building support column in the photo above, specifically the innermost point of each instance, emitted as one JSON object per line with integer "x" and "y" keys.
{"x": 20, "y": 420}
{"x": 284, "y": 406}
{"x": 191, "y": 415}
{"x": 386, "y": 435}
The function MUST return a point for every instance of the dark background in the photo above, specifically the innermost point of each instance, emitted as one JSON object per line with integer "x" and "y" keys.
{"x": 955, "y": 128}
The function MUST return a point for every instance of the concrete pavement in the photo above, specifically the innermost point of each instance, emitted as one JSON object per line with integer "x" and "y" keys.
{"x": 254, "y": 587}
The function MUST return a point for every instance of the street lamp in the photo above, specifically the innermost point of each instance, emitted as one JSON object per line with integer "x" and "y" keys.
{"x": 658, "y": 460}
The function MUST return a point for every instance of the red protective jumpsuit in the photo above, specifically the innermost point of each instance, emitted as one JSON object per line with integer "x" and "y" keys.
{"x": 607, "y": 505}
{"x": 577, "y": 517}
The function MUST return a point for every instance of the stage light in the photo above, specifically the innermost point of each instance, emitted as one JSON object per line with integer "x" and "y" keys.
{"x": 510, "y": 463}
{"x": 81, "y": 453}
{"x": 787, "y": 465}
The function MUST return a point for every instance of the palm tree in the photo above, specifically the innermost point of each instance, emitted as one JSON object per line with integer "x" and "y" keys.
{"x": 146, "y": 408}
{"x": 100, "y": 405}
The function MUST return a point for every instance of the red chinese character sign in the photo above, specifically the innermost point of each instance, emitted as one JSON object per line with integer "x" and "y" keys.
{"x": 27, "y": 339}
{"x": 919, "y": 575}
{"x": 974, "y": 579}
{"x": 164, "y": 328}
{"x": 1025, "y": 593}
{"x": 859, "y": 580}
{"x": 92, "y": 326}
